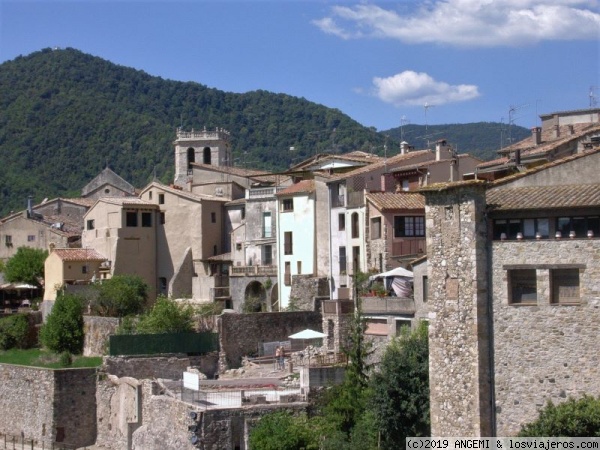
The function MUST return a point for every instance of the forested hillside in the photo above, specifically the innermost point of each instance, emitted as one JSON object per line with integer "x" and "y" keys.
{"x": 65, "y": 115}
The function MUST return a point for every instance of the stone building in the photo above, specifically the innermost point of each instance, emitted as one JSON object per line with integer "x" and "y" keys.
{"x": 513, "y": 292}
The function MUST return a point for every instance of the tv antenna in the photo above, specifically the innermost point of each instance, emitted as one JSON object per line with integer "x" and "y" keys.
{"x": 403, "y": 121}
{"x": 426, "y": 106}
{"x": 592, "y": 95}
{"x": 511, "y": 119}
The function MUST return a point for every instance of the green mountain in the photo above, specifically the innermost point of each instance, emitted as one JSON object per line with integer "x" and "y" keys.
{"x": 65, "y": 115}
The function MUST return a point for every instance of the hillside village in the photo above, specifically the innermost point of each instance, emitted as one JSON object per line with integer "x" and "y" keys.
{"x": 501, "y": 258}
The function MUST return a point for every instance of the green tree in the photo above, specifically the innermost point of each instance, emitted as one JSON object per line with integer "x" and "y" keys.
{"x": 283, "y": 431}
{"x": 63, "y": 330}
{"x": 26, "y": 266}
{"x": 572, "y": 418}
{"x": 167, "y": 316}
{"x": 400, "y": 390}
{"x": 120, "y": 296}
{"x": 13, "y": 331}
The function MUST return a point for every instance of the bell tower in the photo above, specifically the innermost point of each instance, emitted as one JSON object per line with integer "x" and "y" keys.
{"x": 200, "y": 147}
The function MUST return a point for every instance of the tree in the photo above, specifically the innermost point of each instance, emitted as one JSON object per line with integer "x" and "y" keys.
{"x": 63, "y": 330}
{"x": 400, "y": 390}
{"x": 26, "y": 266}
{"x": 120, "y": 296}
{"x": 571, "y": 418}
{"x": 13, "y": 331}
{"x": 283, "y": 431}
{"x": 167, "y": 316}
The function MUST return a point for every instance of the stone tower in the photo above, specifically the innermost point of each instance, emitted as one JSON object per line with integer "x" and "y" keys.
{"x": 202, "y": 147}
{"x": 459, "y": 317}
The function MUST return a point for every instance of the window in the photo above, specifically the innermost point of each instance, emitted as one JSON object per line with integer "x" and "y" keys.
{"x": 401, "y": 326}
{"x": 530, "y": 228}
{"x": 267, "y": 258}
{"x": 84, "y": 269}
{"x": 355, "y": 259}
{"x": 149, "y": 195}
{"x": 267, "y": 225}
{"x": 299, "y": 267}
{"x": 564, "y": 285}
{"x": 287, "y": 205}
{"x": 287, "y": 243}
{"x": 522, "y": 287}
{"x": 578, "y": 225}
{"x": 409, "y": 226}
{"x": 131, "y": 219}
{"x": 341, "y": 222}
{"x": 161, "y": 199}
{"x": 405, "y": 185}
{"x": 425, "y": 288}
{"x": 31, "y": 238}
{"x": 243, "y": 212}
{"x": 162, "y": 218}
{"x": 343, "y": 268}
{"x": 287, "y": 275}
{"x": 8, "y": 240}
{"x": 354, "y": 224}
{"x": 162, "y": 285}
{"x": 213, "y": 217}
{"x": 90, "y": 224}
{"x": 376, "y": 228}
{"x": 146, "y": 219}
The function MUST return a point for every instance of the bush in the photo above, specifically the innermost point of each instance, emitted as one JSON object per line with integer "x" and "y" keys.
{"x": 282, "y": 431}
{"x": 167, "y": 316}
{"x": 14, "y": 331}
{"x": 120, "y": 296}
{"x": 571, "y": 418}
{"x": 65, "y": 359}
{"x": 63, "y": 330}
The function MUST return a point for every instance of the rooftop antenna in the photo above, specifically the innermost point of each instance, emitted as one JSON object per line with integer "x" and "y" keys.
{"x": 511, "y": 119}
{"x": 427, "y": 106}
{"x": 403, "y": 121}
{"x": 592, "y": 95}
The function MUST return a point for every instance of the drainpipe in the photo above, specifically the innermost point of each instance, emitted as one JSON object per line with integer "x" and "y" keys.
{"x": 330, "y": 280}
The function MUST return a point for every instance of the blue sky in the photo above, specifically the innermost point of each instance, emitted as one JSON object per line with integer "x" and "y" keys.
{"x": 382, "y": 63}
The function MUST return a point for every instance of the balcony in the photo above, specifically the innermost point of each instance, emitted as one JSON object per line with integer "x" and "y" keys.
{"x": 337, "y": 201}
{"x": 267, "y": 192}
{"x": 219, "y": 293}
{"x": 356, "y": 199}
{"x": 253, "y": 271}
{"x": 338, "y": 307}
{"x": 388, "y": 305}
{"x": 408, "y": 247}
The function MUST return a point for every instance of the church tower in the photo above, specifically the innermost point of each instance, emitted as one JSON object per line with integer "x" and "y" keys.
{"x": 201, "y": 147}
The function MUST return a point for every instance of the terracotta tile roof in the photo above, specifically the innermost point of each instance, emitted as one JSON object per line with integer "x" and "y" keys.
{"x": 437, "y": 187}
{"x": 544, "y": 197}
{"x": 302, "y": 187}
{"x": 183, "y": 193}
{"x": 392, "y": 160}
{"x": 78, "y": 254}
{"x": 427, "y": 164}
{"x": 225, "y": 257}
{"x": 546, "y": 166}
{"x": 356, "y": 156}
{"x": 385, "y": 201}
{"x": 238, "y": 171}
{"x": 127, "y": 201}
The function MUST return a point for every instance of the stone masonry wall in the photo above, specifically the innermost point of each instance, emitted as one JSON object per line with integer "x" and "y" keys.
{"x": 97, "y": 331}
{"x": 48, "y": 405}
{"x": 305, "y": 288}
{"x": 458, "y": 328}
{"x": 544, "y": 352}
{"x": 240, "y": 334}
{"x": 167, "y": 367}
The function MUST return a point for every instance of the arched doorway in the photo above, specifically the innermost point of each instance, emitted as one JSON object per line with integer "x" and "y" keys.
{"x": 191, "y": 157}
{"x": 206, "y": 155}
{"x": 255, "y": 298}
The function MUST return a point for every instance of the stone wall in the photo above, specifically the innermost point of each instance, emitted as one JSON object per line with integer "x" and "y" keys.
{"x": 315, "y": 377}
{"x": 545, "y": 351}
{"x": 48, "y": 405}
{"x": 97, "y": 332}
{"x": 459, "y": 365}
{"x": 241, "y": 334}
{"x": 167, "y": 367}
{"x": 304, "y": 290}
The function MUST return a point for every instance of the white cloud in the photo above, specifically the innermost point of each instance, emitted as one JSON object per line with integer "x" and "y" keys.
{"x": 416, "y": 89}
{"x": 469, "y": 23}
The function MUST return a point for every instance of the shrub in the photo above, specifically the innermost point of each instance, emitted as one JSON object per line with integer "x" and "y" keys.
{"x": 65, "y": 359}
{"x": 120, "y": 296}
{"x": 283, "y": 431}
{"x": 14, "y": 331}
{"x": 571, "y": 418}
{"x": 167, "y": 316}
{"x": 63, "y": 330}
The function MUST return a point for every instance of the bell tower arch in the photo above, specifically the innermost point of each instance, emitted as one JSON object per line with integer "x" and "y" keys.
{"x": 200, "y": 147}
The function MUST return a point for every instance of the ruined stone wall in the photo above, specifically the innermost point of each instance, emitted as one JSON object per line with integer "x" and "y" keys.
{"x": 97, "y": 332}
{"x": 545, "y": 351}
{"x": 240, "y": 334}
{"x": 48, "y": 405}
{"x": 305, "y": 288}
{"x": 167, "y": 367}
{"x": 458, "y": 328}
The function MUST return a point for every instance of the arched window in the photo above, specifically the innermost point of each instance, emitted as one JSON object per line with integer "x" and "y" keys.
{"x": 354, "y": 220}
{"x": 191, "y": 157}
{"x": 206, "y": 155}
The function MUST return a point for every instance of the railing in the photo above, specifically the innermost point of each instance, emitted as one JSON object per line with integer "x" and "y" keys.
{"x": 338, "y": 201}
{"x": 253, "y": 271}
{"x": 263, "y": 192}
{"x": 375, "y": 305}
{"x": 219, "y": 133}
{"x": 12, "y": 442}
{"x": 217, "y": 293}
{"x": 408, "y": 247}
{"x": 220, "y": 399}
{"x": 356, "y": 199}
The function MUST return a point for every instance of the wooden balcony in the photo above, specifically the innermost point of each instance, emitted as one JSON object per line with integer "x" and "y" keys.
{"x": 253, "y": 271}
{"x": 408, "y": 246}
{"x": 388, "y": 305}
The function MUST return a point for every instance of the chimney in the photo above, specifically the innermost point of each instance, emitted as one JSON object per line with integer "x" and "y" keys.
{"x": 404, "y": 148}
{"x": 441, "y": 150}
{"x": 536, "y": 134}
{"x": 518, "y": 157}
{"x": 556, "y": 131}
{"x": 30, "y": 207}
{"x": 454, "y": 170}
{"x": 571, "y": 130}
